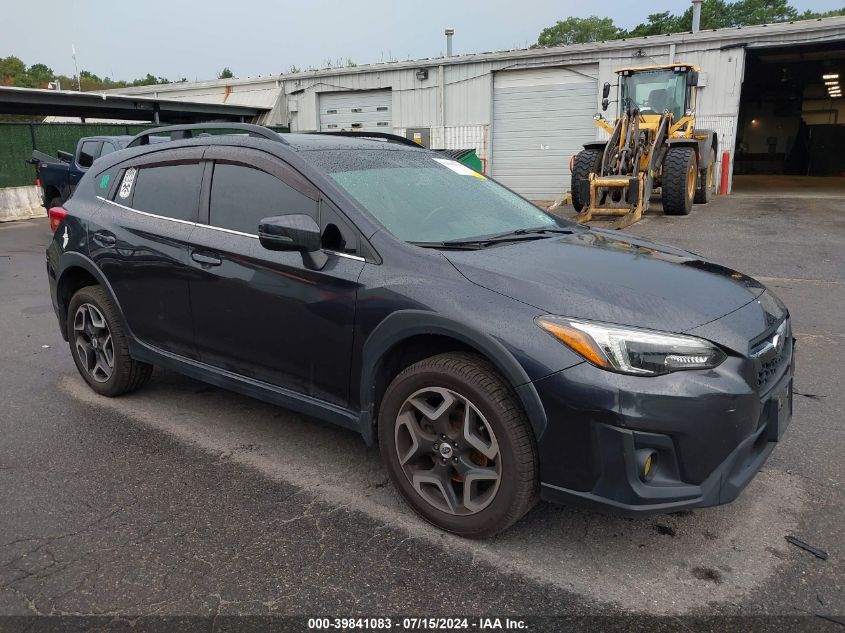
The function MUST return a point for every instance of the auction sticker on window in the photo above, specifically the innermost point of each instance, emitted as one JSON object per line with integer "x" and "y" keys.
{"x": 459, "y": 168}
{"x": 126, "y": 185}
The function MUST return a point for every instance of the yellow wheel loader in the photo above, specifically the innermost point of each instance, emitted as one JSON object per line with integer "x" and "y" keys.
{"x": 653, "y": 143}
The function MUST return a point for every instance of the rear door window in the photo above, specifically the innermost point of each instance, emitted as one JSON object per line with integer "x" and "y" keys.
{"x": 171, "y": 191}
{"x": 242, "y": 196}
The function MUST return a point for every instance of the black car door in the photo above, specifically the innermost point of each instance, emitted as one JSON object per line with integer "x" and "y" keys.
{"x": 264, "y": 314}
{"x": 139, "y": 239}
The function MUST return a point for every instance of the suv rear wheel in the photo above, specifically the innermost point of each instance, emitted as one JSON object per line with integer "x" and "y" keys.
{"x": 458, "y": 446}
{"x": 99, "y": 347}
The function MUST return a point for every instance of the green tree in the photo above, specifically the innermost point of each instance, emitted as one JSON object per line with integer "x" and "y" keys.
{"x": 226, "y": 73}
{"x": 41, "y": 75}
{"x": 150, "y": 80}
{"x": 578, "y": 31}
{"x": 812, "y": 15}
{"x": 715, "y": 14}
{"x": 656, "y": 24}
{"x": 11, "y": 69}
{"x": 750, "y": 12}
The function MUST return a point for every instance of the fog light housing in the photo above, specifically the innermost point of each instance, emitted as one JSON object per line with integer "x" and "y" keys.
{"x": 646, "y": 463}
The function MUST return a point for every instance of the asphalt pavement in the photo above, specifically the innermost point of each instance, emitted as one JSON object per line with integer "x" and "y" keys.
{"x": 186, "y": 499}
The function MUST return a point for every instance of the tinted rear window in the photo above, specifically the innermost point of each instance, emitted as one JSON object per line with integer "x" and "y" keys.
{"x": 171, "y": 190}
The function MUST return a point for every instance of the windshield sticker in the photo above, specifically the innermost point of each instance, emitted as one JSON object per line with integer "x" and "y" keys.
{"x": 459, "y": 168}
{"x": 104, "y": 181}
{"x": 126, "y": 185}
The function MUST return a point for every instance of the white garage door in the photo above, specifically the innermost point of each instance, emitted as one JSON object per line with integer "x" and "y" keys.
{"x": 363, "y": 111}
{"x": 541, "y": 117}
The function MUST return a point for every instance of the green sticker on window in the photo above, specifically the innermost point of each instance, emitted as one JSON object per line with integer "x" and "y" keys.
{"x": 104, "y": 181}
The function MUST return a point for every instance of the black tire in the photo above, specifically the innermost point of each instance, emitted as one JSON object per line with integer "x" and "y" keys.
{"x": 706, "y": 181}
{"x": 498, "y": 409}
{"x": 127, "y": 374}
{"x": 680, "y": 175}
{"x": 587, "y": 161}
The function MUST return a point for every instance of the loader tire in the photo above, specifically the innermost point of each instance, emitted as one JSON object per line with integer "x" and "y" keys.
{"x": 680, "y": 175}
{"x": 587, "y": 161}
{"x": 706, "y": 180}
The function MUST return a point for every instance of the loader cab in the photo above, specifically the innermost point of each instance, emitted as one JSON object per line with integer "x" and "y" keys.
{"x": 658, "y": 89}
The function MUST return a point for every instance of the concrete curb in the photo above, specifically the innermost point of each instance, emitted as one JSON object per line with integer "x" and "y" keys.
{"x": 21, "y": 203}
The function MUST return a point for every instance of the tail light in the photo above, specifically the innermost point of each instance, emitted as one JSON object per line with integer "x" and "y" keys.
{"x": 37, "y": 182}
{"x": 57, "y": 214}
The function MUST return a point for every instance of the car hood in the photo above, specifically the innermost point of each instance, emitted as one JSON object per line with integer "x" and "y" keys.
{"x": 610, "y": 277}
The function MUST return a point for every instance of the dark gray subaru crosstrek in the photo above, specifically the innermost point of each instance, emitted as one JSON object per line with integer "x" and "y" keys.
{"x": 495, "y": 353}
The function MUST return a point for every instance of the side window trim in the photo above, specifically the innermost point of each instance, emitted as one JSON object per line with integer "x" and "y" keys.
{"x": 268, "y": 163}
{"x": 147, "y": 213}
{"x": 266, "y": 166}
{"x": 205, "y": 205}
{"x": 193, "y": 156}
{"x": 203, "y": 218}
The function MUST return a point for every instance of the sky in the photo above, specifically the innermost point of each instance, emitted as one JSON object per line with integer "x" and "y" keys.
{"x": 177, "y": 38}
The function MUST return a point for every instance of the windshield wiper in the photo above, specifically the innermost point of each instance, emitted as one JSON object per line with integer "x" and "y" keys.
{"x": 518, "y": 235}
{"x": 473, "y": 245}
{"x": 542, "y": 229}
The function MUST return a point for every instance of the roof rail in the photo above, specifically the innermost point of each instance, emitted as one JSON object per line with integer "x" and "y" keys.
{"x": 390, "y": 138}
{"x": 179, "y": 132}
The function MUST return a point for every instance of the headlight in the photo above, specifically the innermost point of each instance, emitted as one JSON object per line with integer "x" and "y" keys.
{"x": 630, "y": 350}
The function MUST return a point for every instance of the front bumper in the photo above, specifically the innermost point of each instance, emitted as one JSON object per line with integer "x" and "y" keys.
{"x": 710, "y": 433}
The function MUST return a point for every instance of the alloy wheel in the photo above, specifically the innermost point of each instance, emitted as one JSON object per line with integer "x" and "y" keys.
{"x": 448, "y": 451}
{"x": 93, "y": 342}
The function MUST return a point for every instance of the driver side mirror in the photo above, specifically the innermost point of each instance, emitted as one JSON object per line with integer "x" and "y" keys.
{"x": 293, "y": 232}
{"x": 605, "y": 91}
{"x": 692, "y": 78}
{"x": 604, "y": 103}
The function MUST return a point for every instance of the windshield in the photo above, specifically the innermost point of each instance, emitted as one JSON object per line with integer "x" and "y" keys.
{"x": 655, "y": 92}
{"x": 421, "y": 197}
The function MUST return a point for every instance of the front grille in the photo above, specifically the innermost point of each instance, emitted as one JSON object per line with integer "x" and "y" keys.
{"x": 767, "y": 370}
{"x": 771, "y": 352}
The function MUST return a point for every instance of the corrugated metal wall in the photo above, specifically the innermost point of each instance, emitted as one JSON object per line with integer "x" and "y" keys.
{"x": 456, "y": 101}
{"x": 455, "y": 96}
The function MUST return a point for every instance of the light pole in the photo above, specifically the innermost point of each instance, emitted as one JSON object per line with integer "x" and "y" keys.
{"x": 76, "y": 66}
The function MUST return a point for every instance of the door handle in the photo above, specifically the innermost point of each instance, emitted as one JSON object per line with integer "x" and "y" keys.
{"x": 206, "y": 259}
{"x": 105, "y": 239}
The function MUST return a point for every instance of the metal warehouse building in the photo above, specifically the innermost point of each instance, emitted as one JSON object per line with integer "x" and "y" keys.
{"x": 526, "y": 112}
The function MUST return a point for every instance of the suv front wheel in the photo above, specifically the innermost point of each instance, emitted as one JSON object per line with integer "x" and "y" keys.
{"x": 458, "y": 446}
{"x": 99, "y": 347}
